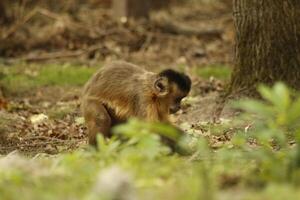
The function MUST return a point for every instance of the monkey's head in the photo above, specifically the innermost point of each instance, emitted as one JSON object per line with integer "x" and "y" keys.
{"x": 172, "y": 87}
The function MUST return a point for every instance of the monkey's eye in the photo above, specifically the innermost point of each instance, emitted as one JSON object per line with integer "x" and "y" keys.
{"x": 160, "y": 86}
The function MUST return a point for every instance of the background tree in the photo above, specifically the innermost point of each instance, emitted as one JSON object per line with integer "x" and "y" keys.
{"x": 131, "y": 8}
{"x": 3, "y": 14}
{"x": 137, "y": 8}
{"x": 267, "y": 44}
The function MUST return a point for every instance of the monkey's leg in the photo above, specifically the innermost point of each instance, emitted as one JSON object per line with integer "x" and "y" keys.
{"x": 97, "y": 120}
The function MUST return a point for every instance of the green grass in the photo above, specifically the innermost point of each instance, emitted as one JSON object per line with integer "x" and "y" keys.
{"x": 59, "y": 112}
{"x": 217, "y": 71}
{"x": 23, "y": 77}
{"x": 20, "y": 78}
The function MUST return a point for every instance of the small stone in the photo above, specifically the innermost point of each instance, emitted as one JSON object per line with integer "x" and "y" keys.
{"x": 39, "y": 118}
{"x": 114, "y": 183}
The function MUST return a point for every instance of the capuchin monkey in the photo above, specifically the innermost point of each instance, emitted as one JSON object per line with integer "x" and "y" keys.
{"x": 121, "y": 90}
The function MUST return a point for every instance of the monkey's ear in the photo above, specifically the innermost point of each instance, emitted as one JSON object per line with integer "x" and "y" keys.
{"x": 161, "y": 86}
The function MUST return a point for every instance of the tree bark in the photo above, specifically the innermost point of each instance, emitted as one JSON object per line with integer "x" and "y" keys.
{"x": 267, "y": 44}
{"x": 158, "y": 4}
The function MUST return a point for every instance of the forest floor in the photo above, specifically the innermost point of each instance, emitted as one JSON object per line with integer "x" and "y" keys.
{"x": 42, "y": 74}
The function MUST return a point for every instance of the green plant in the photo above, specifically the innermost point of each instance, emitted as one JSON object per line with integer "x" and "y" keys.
{"x": 275, "y": 126}
{"x": 148, "y": 137}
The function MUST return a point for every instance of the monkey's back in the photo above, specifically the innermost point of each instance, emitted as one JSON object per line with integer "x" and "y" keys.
{"x": 117, "y": 85}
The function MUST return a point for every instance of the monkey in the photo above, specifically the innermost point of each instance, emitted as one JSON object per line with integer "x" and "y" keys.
{"x": 120, "y": 90}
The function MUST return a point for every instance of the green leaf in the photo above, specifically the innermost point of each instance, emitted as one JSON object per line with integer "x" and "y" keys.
{"x": 255, "y": 107}
{"x": 294, "y": 112}
{"x": 279, "y": 96}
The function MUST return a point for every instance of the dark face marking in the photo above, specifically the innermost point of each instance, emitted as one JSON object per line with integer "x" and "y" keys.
{"x": 176, "y": 97}
{"x": 174, "y": 108}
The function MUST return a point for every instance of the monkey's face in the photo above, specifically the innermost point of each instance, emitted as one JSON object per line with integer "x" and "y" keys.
{"x": 176, "y": 95}
{"x": 171, "y": 93}
{"x": 175, "y": 104}
{"x": 174, "y": 108}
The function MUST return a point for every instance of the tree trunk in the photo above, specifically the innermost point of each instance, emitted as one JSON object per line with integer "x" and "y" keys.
{"x": 158, "y": 4}
{"x": 267, "y": 44}
{"x": 131, "y": 8}
{"x": 3, "y": 15}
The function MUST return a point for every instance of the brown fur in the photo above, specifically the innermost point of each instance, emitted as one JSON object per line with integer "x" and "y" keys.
{"x": 121, "y": 90}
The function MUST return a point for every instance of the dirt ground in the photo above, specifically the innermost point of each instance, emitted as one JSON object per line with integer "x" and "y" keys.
{"x": 47, "y": 120}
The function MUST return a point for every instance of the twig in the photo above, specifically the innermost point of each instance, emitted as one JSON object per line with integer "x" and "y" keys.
{"x": 49, "y": 14}
{"x": 147, "y": 42}
{"x": 65, "y": 142}
{"x": 41, "y": 138}
{"x": 18, "y": 24}
{"x": 60, "y": 54}
{"x": 181, "y": 29}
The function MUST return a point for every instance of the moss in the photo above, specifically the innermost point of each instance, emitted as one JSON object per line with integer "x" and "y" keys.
{"x": 59, "y": 112}
{"x": 217, "y": 71}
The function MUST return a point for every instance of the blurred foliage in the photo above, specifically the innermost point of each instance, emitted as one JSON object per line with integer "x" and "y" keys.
{"x": 141, "y": 154}
{"x": 257, "y": 163}
{"x": 276, "y": 133}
